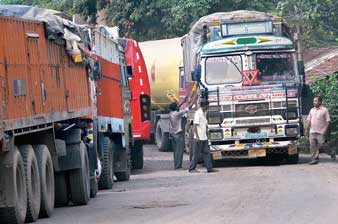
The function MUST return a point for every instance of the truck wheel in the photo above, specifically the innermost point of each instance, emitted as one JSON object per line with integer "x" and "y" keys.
{"x": 13, "y": 188}
{"x": 32, "y": 182}
{"x": 137, "y": 155}
{"x": 79, "y": 180}
{"x": 123, "y": 176}
{"x": 162, "y": 139}
{"x": 61, "y": 191}
{"x": 292, "y": 159}
{"x": 92, "y": 156}
{"x": 46, "y": 172}
{"x": 124, "y": 154}
{"x": 93, "y": 187}
{"x": 106, "y": 180}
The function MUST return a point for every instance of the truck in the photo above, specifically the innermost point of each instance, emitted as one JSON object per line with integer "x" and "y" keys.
{"x": 45, "y": 93}
{"x": 163, "y": 60}
{"x": 247, "y": 64}
{"x": 112, "y": 125}
{"x": 140, "y": 99}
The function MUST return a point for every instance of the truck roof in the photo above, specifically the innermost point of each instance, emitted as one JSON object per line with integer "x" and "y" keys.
{"x": 234, "y": 16}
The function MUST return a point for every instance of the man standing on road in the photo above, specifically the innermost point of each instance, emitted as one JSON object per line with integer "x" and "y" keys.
{"x": 175, "y": 118}
{"x": 201, "y": 139}
{"x": 318, "y": 123}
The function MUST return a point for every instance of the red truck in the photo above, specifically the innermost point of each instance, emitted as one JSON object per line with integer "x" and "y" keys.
{"x": 140, "y": 99}
{"x": 45, "y": 91}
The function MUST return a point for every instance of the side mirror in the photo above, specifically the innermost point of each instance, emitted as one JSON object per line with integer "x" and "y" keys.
{"x": 97, "y": 71}
{"x": 196, "y": 75}
{"x": 130, "y": 73}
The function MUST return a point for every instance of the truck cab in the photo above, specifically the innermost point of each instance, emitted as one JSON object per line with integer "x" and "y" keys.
{"x": 249, "y": 72}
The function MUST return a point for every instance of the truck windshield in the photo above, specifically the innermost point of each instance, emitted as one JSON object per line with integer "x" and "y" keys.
{"x": 223, "y": 70}
{"x": 275, "y": 67}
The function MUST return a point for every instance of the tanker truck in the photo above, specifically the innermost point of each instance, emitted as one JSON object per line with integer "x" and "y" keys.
{"x": 45, "y": 93}
{"x": 247, "y": 65}
{"x": 163, "y": 59}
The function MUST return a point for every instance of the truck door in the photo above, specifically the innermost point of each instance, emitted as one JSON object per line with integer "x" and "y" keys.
{"x": 34, "y": 72}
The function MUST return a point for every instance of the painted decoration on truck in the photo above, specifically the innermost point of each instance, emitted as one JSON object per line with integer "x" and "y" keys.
{"x": 249, "y": 42}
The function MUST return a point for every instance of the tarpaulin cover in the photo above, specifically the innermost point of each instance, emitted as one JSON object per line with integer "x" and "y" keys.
{"x": 57, "y": 29}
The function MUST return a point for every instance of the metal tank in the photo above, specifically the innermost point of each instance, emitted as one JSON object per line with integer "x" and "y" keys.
{"x": 163, "y": 58}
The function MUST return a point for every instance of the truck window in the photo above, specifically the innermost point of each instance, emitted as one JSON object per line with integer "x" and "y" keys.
{"x": 275, "y": 66}
{"x": 223, "y": 70}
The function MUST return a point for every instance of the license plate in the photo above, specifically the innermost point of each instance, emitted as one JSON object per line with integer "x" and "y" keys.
{"x": 257, "y": 153}
{"x": 217, "y": 155}
{"x": 256, "y": 135}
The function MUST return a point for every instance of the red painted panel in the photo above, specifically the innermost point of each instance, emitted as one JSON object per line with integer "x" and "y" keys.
{"x": 109, "y": 100}
{"x": 139, "y": 85}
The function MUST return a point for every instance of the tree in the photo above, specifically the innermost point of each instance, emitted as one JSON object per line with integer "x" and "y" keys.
{"x": 318, "y": 19}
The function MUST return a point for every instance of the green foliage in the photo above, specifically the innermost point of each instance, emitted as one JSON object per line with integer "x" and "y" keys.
{"x": 303, "y": 145}
{"x": 327, "y": 88}
{"x": 318, "y": 19}
{"x": 87, "y": 8}
{"x": 158, "y": 19}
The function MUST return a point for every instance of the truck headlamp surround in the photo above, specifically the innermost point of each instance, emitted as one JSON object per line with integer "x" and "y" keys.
{"x": 214, "y": 117}
{"x": 292, "y": 130}
{"x": 216, "y": 134}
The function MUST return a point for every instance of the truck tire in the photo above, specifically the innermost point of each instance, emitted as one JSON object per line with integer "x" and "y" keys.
{"x": 73, "y": 136}
{"x": 79, "y": 180}
{"x": 162, "y": 139}
{"x": 32, "y": 182}
{"x": 94, "y": 188}
{"x": 124, "y": 154}
{"x": 292, "y": 159}
{"x": 106, "y": 179}
{"x": 13, "y": 187}
{"x": 92, "y": 156}
{"x": 46, "y": 172}
{"x": 137, "y": 159}
{"x": 61, "y": 191}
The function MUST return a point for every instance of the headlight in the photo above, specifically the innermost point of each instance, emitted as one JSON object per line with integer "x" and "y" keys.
{"x": 214, "y": 117}
{"x": 292, "y": 131}
{"x": 216, "y": 135}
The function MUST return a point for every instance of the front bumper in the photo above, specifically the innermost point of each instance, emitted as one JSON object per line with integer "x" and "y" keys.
{"x": 246, "y": 151}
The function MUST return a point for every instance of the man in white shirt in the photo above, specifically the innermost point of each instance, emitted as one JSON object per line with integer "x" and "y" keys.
{"x": 201, "y": 139}
{"x": 318, "y": 123}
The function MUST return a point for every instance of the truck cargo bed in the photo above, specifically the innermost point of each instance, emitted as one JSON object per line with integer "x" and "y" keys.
{"x": 39, "y": 81}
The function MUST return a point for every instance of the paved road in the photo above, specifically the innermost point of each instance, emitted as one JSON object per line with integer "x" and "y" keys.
{"x": 245, "y": 193}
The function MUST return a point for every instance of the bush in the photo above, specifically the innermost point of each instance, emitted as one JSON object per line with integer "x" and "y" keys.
{"x": 303, "y": 145}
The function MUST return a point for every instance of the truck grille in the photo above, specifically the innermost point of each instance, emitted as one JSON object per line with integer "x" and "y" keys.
{"x": 254, "y": 109}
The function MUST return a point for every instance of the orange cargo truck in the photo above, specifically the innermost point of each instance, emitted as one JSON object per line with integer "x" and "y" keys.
{"x": 44, "y": 93}
{"x": 112, "y": 125}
